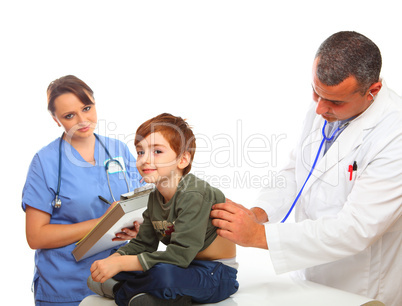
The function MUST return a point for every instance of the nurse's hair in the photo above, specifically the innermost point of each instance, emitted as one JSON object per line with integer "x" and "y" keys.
{"x": 68, "y": 84}
{"x": 346, "y": 54}
{"x": 175, "y": 130}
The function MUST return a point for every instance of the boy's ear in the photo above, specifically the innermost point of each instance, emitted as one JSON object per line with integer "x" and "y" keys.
{"x": 185, "y": 159}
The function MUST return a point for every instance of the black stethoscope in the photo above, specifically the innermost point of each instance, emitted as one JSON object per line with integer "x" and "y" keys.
{"x": 325, "y": 138}
{"x": 57, "y": 201}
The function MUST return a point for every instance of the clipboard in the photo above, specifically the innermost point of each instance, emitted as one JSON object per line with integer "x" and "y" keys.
{"x": 123, "y": 214}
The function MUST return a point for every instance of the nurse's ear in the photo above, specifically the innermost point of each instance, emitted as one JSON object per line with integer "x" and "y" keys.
{"x": 57, "y": 121}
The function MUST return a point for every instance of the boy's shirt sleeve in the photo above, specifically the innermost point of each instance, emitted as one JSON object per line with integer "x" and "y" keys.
{"x": 146, "y": 240}
{"x": 187, "y": 235}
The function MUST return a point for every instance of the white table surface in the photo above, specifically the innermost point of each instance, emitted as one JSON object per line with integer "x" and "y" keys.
{"x": 259, "y": 285}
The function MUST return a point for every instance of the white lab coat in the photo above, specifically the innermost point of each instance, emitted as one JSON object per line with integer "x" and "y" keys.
{"x": 348, "y": 233}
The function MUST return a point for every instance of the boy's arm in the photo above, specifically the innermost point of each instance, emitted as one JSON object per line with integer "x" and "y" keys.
{"x": 102, "y": 270}
{"x": 187, "y": 236}
{"x": 146, "y": 240}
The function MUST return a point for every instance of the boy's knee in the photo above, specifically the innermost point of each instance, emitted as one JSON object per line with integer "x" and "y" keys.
{"x": 164, "y": 273}
{"x": 106, "y": 289}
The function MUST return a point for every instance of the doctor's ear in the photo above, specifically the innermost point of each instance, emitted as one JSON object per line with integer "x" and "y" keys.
{"x": 374, "y": 89}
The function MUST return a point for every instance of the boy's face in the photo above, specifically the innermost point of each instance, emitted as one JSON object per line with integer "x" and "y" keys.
{"x": 156, "y": 160}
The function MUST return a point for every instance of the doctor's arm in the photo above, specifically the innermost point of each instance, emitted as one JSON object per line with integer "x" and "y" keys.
{"x": 41, "y": 234}
{"x": 372, "y": 209}
{"x": 245, "y": 226}
{"x": 240, "y": 225}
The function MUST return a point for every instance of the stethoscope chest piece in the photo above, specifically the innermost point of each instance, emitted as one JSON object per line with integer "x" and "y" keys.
{"x": 56, "y": 202}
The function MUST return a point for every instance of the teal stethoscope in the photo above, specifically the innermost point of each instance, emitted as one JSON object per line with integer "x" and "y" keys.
{"x": 57, "y": 202}
{"x": 325, "y": 138}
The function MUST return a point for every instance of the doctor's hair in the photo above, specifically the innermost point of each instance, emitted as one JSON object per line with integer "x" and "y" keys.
{"x": 346, "y": 54}
{"x": 68, "y": 84}
{"x": 175, "y": 130}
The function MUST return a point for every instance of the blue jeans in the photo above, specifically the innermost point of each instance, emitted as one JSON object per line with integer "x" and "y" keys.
{"x": 204, "y": 281}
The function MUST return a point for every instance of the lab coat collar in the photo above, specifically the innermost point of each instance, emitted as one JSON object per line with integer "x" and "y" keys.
{"x": 349, "y": 139}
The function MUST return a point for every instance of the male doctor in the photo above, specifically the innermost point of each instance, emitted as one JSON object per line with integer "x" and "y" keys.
{"x": 348, "y": 229}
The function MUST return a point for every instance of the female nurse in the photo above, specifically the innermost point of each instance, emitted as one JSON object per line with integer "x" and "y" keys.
{"x": 72, "y": 166}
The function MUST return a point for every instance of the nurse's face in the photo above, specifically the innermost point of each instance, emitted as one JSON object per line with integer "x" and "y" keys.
{"x": 339, "y": 102}
{"x": 78, "y": 120}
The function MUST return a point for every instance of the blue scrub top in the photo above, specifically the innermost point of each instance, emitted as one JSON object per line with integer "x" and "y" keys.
{"x": 58, "y": 277}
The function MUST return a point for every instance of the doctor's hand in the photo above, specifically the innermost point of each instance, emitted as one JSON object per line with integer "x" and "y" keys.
{"x": 239, "y": 224}
{"x": 128, "y": 233}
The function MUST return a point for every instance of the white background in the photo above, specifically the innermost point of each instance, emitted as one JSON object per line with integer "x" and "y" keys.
{"x": 239, "y": 71}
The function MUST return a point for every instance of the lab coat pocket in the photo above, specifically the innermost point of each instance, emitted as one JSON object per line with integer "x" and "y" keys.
{"x": 323, "y": 200}
{"x": 349, "y": 175}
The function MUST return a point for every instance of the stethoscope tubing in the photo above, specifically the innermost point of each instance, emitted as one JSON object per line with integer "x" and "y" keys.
{"x": 325, "y": 138}
{"x": 107, "y": 174}
{"x": 57, "y": 200}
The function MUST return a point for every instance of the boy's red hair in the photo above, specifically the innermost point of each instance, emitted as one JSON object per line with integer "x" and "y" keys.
{"x": 175, "y": 130}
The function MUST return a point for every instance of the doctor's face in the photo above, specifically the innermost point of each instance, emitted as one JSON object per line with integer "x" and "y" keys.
{"x": 339, "y": 102}
{"x": 78, "y": 120}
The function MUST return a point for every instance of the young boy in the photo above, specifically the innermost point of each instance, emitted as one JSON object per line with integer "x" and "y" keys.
{"x": 197, "y": 264}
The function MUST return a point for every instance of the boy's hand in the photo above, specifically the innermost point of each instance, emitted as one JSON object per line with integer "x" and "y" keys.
{"x": 102, "y": 270}
{"x": 128, "y": 233}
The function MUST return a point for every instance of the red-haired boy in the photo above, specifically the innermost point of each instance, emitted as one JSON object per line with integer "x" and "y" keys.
{"x": 197, "y": 264}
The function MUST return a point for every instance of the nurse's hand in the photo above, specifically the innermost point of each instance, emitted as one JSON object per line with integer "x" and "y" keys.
{"x": 239, "y": 224}
{"x": 128, "y": 233}
{"x": 109, "y": 209}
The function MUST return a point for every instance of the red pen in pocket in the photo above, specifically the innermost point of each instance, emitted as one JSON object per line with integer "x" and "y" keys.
{"x": 351, "y": 169}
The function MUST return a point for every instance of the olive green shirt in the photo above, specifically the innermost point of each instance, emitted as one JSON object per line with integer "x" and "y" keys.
{"x": 183, "y": 225}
